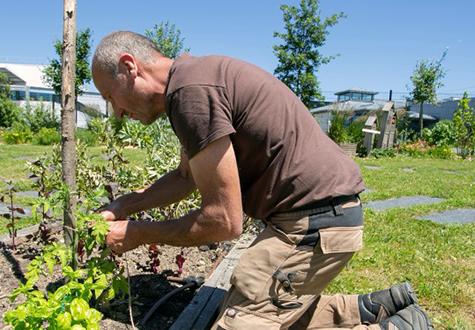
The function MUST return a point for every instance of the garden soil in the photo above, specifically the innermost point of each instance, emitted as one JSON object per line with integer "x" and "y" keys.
{"x": 146, "y": 287}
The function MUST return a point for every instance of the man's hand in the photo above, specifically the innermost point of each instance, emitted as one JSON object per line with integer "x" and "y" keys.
{"x": 111, "y": 212}
{"x": 108, "y": 215}
{"x": 123, "y": 236}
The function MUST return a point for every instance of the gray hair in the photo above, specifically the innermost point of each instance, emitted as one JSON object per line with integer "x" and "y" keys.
{"x": 106, "y": 56}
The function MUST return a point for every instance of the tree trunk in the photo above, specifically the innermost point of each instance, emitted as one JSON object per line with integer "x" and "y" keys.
{"x": 421, "y": 118}
{"x": 68, "y": 146}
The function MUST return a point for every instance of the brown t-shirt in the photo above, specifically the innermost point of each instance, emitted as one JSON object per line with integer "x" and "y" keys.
{"x": 285, "y": 160}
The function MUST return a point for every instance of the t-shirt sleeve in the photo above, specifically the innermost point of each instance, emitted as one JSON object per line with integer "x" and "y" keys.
{"x": 199, "y": 116}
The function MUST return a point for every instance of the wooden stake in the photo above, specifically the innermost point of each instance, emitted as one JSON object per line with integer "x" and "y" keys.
{"x": 68, "y": 125}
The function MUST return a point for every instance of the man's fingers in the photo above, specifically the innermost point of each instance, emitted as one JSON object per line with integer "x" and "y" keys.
{"x": 108, "y": 215}
{"x": 120, "y": 238}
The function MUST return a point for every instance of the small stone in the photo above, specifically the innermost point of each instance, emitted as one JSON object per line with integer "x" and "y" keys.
{"x": 373, "y": 167}
{"x": 406, "y": 201}
{"x": 203, "y": 248}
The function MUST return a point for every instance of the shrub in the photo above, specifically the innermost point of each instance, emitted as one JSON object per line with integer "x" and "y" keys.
{"x": 381, "y": 153}
{"x": 338, "y": 131}
{"x": 46, "y": 137}
{"x": 442, "y": 134}
{"x": 414, "y": 149}
{"x": 40, "y": 117}
{"x": 17, "y": 134}
{"x": 9, "y": 112}
{"x": 145, "y": 136}
{"x": 405, "y": 133}
{"x": 442, "y": 152}
{"x": 87, "y": 137}
{"x": 422, "y": 148}
{"x": 464, "y": 124}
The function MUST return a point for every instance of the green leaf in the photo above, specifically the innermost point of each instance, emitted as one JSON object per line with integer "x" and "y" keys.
{"x": 93, "y": 317}
{"x": 63, "y": 321}
{"x": 100, "y": 285}
{"x": 50, "y": 262}
{"x": 20, "y": 313}
{"x": 78, "y": 309}
{"x": 60, "y": 293}
{"x": 78, "y": 327}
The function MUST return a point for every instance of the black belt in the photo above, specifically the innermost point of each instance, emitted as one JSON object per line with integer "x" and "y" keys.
{"x": 329, "y": 203}
{"x": 320, "y": 206}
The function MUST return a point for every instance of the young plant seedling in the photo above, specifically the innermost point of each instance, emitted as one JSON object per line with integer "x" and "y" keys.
{"x": 180, "y": 260}
{"x": 12, "y": 230}
{"x": 154, "y": 260}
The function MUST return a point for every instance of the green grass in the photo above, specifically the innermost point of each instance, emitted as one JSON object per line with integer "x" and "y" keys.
{"x": 439, "y": 260}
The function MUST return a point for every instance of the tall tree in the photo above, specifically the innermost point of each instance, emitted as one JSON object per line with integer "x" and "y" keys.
{"x": 299, "y": 55}
{"x": 53, "y": 72}
{"x": 68, "y": 98}
{"x": 426, "y": 79}
{"x": 167, "y": 38}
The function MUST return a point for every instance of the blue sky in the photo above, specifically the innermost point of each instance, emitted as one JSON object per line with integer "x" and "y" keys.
{"x": 378, "y": 43}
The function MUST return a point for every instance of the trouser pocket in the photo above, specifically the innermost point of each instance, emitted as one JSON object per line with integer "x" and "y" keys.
{"x": 253, "y": 275}
{"x": 290, "y": 255}
{"x": 341, "y": 239}
{"x": 322, "y": 250}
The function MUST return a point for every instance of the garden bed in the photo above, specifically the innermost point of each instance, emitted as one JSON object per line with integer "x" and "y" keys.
{"x": 146, "y": 287}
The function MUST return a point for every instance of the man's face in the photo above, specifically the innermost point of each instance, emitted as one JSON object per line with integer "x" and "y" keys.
{"x": 127, "y": 94}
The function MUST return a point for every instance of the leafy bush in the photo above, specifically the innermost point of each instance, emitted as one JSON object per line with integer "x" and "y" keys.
{"x": 87, "y": 137}
{"x": 418, "y": 148}
{"x": 338, "y": 132}
{"x": 464, "y": 124}
{"x": 381, "y": 153}
{"x": 405, "y": 133}
{"x": 97, "y": 280}
{"x": 442, "y": 134}
{"x": 422, "y": 148}
{"x": 46, "y": 137}
{"x": 19, "y": 133}
{"x": 9, "y": 112}
{"x": 40, "y": 117}
{"x": 442, "y": 152}
{"x": 159, "y": 133}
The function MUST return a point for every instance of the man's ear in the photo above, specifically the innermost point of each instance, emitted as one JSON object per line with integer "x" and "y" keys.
{"x": 128, "y": 65}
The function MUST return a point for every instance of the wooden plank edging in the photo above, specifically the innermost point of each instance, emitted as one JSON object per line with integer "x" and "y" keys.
{"x": 202, "y": 310}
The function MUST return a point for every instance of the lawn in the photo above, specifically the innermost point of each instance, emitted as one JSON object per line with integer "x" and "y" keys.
{"x": 439, "y": 260}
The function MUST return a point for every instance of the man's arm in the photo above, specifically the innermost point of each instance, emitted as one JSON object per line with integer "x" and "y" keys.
{"x": 216, "y": 176}
{"x": 170, "y": 188}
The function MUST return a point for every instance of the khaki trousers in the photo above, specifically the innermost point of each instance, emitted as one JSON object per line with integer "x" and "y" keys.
{"x": 278, "y": 281}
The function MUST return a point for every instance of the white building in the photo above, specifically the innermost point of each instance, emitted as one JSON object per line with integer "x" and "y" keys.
{"x": 29, "y": 89}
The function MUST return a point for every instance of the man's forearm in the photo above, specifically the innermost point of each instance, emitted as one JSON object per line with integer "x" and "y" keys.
{"x": 193, "y": 229}
{"x": 170, "y": 188}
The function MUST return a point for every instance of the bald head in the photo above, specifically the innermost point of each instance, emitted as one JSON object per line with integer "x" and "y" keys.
{"x": 107, "y": 54}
